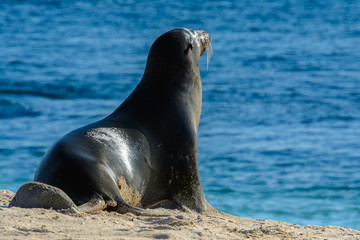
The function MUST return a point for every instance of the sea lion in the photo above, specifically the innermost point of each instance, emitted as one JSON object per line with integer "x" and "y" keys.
{"x": 145, "y": 152}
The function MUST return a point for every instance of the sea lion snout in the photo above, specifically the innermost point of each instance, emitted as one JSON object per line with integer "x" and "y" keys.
{"x": 201, "y": 39}
{"x": 205, "y": 44}
{"x": 204, "y": 41}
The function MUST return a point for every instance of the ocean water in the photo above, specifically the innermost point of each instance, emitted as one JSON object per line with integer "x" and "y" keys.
{"x": 280, "y": 125}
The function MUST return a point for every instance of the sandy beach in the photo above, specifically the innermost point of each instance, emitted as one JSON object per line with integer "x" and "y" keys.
{"x": 21, "y": 223}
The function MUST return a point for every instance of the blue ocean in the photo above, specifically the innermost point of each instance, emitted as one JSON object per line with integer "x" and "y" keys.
{"x": 279, "y": 135}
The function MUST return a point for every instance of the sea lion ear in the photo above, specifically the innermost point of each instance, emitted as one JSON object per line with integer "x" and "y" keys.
{"x": 189, "y": 47}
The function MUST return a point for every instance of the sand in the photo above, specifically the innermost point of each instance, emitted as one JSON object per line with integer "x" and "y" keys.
{"x": 36, "y": 223}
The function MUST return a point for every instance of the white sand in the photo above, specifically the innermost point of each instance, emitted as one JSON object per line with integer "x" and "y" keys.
{"x": 21, "y": 223}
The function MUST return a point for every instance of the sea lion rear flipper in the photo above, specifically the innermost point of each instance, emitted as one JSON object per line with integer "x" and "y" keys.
{"x": 124, "y": 207}
{"x": 96, "y": 203}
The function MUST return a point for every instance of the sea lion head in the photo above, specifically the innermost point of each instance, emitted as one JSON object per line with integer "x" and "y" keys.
{"x": 177, "y": 49}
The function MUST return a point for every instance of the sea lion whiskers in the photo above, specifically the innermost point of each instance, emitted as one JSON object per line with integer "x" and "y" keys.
{"x": 209, "y": 52}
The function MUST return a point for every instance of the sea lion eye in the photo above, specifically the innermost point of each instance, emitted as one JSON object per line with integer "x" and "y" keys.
{"x": 189, "y": 47}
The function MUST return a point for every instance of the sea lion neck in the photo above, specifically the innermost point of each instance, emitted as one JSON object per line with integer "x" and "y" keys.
{"x": 178, "y": 94}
